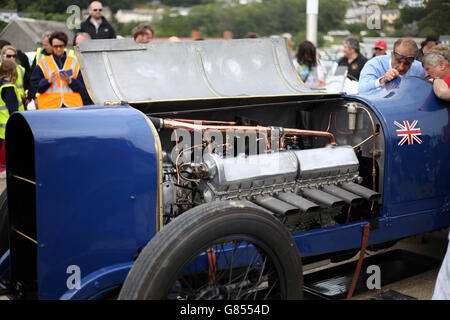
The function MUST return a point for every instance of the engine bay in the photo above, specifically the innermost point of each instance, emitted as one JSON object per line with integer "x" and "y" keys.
{"x": 313, "y": 165}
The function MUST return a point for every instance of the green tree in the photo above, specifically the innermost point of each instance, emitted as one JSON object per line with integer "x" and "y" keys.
{"x": 426, "y": 31}
{"x": 432, "y": 18}
{"x": 437, "y": 20}
{"x": 249, "y": 19}
{"x": 185, "y": 3}
{"x": 408, "y": 15}
{"x": 356, "y": 28}
{"x": 331, "y": 14}
{"x": 122, "y": 29}
{"x": 285, "y": 16}
{"x": 173, "y": 25}
{"x": 211, "y": 17}
{"x": 208, "y": 19}
{"x": 266, "y": 18}
{"x": 299, "y": 37}
{"x": 2, "y": 25}
{"x": 8, "y": 4}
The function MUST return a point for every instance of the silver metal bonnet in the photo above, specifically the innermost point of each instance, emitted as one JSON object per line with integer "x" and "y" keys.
{"x": 121, "y": 70}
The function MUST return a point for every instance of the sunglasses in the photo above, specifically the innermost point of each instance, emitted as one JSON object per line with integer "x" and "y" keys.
{"x": 406, "y": 59}
{"x": 9, "y": 56}
{"x": 378, "y": 49}
{"x": 95, "y": 10}
{"x": 56, "y": 46}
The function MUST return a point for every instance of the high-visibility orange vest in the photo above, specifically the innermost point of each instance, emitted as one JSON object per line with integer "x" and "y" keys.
{"x": 59, "y": 92}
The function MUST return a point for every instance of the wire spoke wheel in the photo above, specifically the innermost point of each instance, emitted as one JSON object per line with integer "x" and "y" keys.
{"x": 218, "y": 251}
{"x": 246, "y": 272}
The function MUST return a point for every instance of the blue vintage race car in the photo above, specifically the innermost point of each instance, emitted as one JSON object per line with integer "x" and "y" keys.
{"x": 207, "y": 170}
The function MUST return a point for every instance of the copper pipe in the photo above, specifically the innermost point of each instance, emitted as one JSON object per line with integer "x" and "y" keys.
{"x": 348, "y": 214}
{"x": 373, "y": 151}
{"x": 302, "y": 132}
{"x": 175, "y": 124}
{"x": 373, "y": 145}
{"x": 231, "y": 123}
{"x": 329, "y": 121}
{"x": 360, "y": 261}
{"x": 373, "y": 148}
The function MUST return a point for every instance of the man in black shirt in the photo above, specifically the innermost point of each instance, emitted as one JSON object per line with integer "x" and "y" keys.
{"x": 352, "y": 59}
{"x": 96, "y": 25}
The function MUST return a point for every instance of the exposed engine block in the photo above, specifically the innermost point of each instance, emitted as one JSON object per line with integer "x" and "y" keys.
{"x": 304, "y": 186}
{"x": 272, "y": 173}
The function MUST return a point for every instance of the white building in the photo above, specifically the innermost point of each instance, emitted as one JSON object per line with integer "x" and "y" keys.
{"x": 6, "y": 15}
{"x": 390, "y": 15}
{"x": 416, "y": 3}
{"x": 339, "y": 33}
{"x": 355, "y": 15}
{"x": 233, "y": 3}
{"x": 182, "y": 11}
{"x": 248, "y": 1}
{"x": 445, "y": 40}
{"x": 126, "y": 16}
{"x": 411, "y": 3}
{"x": 26, "y": 34}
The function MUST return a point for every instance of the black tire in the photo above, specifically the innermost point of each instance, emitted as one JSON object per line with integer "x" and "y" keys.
{"x": 4, "y": 242}
{"x": 160, "y": 270}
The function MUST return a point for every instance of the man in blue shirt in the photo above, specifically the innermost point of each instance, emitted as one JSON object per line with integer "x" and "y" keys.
{"x": 383, "y": 69}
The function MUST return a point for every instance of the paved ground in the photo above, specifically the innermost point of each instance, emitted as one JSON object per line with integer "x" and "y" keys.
{"x": 421, "y": 286}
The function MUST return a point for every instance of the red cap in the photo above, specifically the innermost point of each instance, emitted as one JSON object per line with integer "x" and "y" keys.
{"x": 381, "y": 44}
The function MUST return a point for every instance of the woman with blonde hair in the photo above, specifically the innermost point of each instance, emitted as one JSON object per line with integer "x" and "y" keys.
{"x": 9, "y": 103}
{"x": 10, "y": 53}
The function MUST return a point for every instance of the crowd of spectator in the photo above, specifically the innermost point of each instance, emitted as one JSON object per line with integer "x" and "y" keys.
{"x": 54, "y": 79}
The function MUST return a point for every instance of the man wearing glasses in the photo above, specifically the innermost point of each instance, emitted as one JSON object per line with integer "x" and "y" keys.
{"x": 96, "y": 24}
{"x": 382, "y": 69}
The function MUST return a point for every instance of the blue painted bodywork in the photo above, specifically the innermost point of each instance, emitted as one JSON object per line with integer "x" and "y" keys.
{"x": 417, "y": 175}
{"x": 416, "y": 187}
{"x": 99, "y": 283}
{"x": 105, "y": 211}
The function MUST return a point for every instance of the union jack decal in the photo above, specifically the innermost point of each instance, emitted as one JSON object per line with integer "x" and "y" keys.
{"x": 408, "y": 132}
